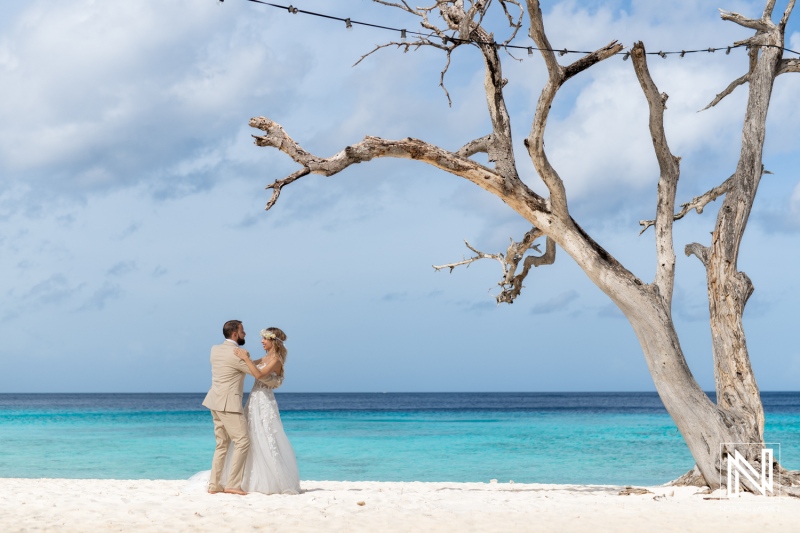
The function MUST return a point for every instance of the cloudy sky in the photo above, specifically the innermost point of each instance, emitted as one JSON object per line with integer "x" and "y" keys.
{"x": 131, "y": 199}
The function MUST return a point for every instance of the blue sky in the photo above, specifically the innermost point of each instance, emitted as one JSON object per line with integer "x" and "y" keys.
{"x": 131, "y": 199}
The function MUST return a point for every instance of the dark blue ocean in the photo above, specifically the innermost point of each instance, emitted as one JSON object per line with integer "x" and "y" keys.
{"x": 604, "y": 438}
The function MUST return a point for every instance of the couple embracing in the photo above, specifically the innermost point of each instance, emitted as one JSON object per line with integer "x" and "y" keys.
{"x": 252, "y": 453}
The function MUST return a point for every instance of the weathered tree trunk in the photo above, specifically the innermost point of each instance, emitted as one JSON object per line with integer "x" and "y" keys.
{"x": 709, "y": 429}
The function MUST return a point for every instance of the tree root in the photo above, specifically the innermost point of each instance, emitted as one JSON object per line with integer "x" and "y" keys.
{"x": 786, "y": 482}
{"x": 692, "y": 478}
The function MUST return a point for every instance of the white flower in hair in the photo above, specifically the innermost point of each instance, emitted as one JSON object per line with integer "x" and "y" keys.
{"x": 269, "y": 335}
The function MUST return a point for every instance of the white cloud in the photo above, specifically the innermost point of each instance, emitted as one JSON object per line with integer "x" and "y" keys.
{"x": 132, "y": 195}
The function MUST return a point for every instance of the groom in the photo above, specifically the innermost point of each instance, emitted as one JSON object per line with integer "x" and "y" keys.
{"x": 225, "y": 402}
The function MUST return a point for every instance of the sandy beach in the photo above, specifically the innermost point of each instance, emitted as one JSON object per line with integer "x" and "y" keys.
{"x": 147, "y": 505}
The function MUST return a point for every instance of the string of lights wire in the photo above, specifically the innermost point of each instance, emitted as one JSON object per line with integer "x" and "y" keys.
{"x": 349, "y": 23}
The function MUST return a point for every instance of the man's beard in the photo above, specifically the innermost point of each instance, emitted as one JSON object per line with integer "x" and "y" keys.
{"x": 240, "y": 342}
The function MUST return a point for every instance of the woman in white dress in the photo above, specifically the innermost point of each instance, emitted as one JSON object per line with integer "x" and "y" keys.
{"x": 271, "y": 467}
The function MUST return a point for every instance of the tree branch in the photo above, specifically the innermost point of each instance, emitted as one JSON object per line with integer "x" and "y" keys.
{"x": 699, "y": 250}
{"x": 476, "y": 146}
{"x": 375, "y": 147}
{"x": 698, "y": 203}
{"x": 741, "y": 20}
{"x": 278, "y": 185}
{"x": 788, "y": 65}
{"x": 669, "y": 167}
{"x": 786, "y": 13}
{"x": 770, "y": 5}
{"x": 511, "y": 282}
{"x": 588, "y": 60}
{"x": 733, "y": 85}
{"x": 466, "y": 24}
{"x": 753, "y": 54}
{"x": 557, "y": 76}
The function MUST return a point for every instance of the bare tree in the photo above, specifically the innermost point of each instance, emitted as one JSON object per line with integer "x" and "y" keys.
{"x": 737, "y": 416}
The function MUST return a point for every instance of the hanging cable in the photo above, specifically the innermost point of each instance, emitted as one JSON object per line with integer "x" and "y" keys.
{"x": 349, "y": 23}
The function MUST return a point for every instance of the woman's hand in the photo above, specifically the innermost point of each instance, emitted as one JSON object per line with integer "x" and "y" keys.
{"x": 241, "y": 354}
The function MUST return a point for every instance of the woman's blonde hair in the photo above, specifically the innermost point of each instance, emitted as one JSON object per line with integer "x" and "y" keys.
{"x": 278, "y": 337}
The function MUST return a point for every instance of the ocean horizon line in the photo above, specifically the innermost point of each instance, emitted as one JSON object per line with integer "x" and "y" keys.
{"x": 393, "y": 392}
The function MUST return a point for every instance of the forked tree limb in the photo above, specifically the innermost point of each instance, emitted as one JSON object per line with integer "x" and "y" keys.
{"x": 462, "y": 25}
{"x": 511, "y": 282}
{"x": 557, "y": 75}
{"x": 513, "y": 285}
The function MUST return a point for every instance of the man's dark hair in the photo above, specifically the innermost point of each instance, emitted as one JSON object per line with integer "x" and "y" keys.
{"x": 231, "y": 327}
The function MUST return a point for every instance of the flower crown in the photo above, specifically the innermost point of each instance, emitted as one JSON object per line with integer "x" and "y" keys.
{"x": 270, "y": 335}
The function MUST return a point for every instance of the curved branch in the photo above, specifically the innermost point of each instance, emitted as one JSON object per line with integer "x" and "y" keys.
{"x": 476, "y": 146}
{"x": 375, "y": 147}
{"x": 698, "y": 250}
{"x": 514, "y": 286}
{"x": 728, "y": 90}
{"x": 741, "y": 20}
{"x": 277, "y": 185}
{"x": 698, "y": 203}
{"x": 500, "y": 149}
{"x": 557, "y": 76}
{"x": 669, "y": 167}
{"x": 466, "y": 23}
{"x": 753, "y": 55}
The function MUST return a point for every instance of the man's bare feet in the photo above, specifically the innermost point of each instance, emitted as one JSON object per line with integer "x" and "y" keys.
{"x": 214, "y": 491}
{"x": 240, "y": 492}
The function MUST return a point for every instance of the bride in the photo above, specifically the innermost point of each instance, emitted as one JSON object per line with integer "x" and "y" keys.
{"x": 271, "y": 467}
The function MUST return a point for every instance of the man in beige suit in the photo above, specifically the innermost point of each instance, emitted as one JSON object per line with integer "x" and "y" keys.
{"x": 225, "y": 401}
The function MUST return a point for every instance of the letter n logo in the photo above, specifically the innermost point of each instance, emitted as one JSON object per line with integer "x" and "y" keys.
{"x": 738, "y": 465}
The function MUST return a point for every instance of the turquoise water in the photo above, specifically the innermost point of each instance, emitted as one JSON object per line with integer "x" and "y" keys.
{"x": 620, "y": 438}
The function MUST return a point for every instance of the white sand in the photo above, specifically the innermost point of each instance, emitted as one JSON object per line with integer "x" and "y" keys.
{"x": 143, "y": 506}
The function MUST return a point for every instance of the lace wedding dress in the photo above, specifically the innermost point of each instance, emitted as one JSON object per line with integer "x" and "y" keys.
{"x": 271, "y": 467}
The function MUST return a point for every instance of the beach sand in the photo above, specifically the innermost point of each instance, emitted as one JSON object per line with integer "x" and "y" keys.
{"x": 145, "y": 506}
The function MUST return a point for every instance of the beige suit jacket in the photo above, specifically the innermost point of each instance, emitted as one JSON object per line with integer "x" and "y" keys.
{"x": 227, "y": 379}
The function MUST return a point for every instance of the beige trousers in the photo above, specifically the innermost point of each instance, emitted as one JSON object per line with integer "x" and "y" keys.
{"x": 229, "y": 427}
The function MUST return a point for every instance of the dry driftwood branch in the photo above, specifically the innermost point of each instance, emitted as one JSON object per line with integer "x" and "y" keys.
{"x": 697, "y": 203}
{"x": 786, "y": 13}
{"x": 728, "y": 90}
{"x": 698, "y": 250}
{"x": 511, "y": 282}
{"x": 460, "y": 25}
{"x": 753, "y": 54}
{"x": 669, "y": 167}
{"x": 372, "y": 148}
{"x": 760, "y": 25}
{"x": 557, "y": 76}
{"x": 476, "y": 146}
{"x": 789, "y": 65}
